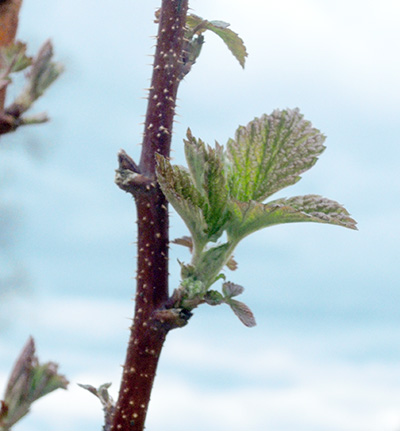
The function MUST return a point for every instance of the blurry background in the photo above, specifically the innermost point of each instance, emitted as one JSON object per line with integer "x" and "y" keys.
{"x": 325, "y": 355}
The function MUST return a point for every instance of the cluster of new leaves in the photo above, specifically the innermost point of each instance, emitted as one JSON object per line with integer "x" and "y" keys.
{"x": 223, "y": 190}
{"x": 41, "y": 73}
{"x": 28, "y": 382}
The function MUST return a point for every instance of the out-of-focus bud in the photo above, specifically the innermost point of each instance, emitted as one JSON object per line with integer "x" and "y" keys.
{"x": 28, "y": 382}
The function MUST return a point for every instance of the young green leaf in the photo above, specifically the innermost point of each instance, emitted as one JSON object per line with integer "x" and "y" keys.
{"x": 249, "y": 217}
{"x": 195, "y": 23}
{"x": 178, "y": 187}
{"x": 216, "y": 211}
{"x": 213, "y": 297}
{"x": 207, "y": 169}
{"x": 196, "y": 157}
{"x": 270, "y": 153}
{"x": 232, "y": 40}
{"x": 316, "y": 209}
{"x": 211, "y": 262}
{"x": 235, "y": 44}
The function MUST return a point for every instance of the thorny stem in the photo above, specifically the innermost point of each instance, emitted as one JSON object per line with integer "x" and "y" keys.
{"x": 148, "y": 331}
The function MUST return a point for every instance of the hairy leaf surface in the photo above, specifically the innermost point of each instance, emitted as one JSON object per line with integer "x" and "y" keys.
{"x": 178, "y": 187}
{"x": 196, "y": 157}
{"x": 316, "y": 209}
{"x": 270, "y": 153}
{"x": 243, "y": 312}
{"x": 249, "y": 217}
{"x": 207, "y": 169}
{"x": 216, "y": 210}
{"x": 230, "y": 289}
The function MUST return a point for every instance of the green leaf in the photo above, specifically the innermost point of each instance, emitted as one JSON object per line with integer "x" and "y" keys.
{"x": 178, "y": 187}
{"x": 270, "y": 153}
{"x": 232, "y": 41}
{"x": 207, "y": 170}
{"x": 196, "y": 157}
{"x": 314, "y": 208}
{"x": 195, "y": 22}
{"x": 249, "y": 217}
{"x": 216, "y": 210}
{"x": 235, "y": 44}
{"x": 187, "y": 271}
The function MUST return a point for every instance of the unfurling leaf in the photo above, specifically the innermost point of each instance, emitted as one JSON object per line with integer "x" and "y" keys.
{"x": 216, "y": 211}
{"x": 178, "y": 187}
{"x": 243, "y": 312}
{"x": 231, "y": 289}
{"x": 196, "y": 157}
{"x": 270, "y": 153}
{"x": 213, "y": 297}
{"x": 211, "y": 262}
{"x": 207, "y": 172}
{"x": 187, "y": 271}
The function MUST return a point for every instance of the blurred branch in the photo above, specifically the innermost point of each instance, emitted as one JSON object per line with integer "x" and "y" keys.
{"x": 9, "y": 10}
{"x": 28, "y": 382}
{"x": 42, "y": 73}
{"x": 106, "y": 400}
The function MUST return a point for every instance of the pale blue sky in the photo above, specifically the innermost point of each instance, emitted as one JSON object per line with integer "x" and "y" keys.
{"x": 325, "y": 355}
